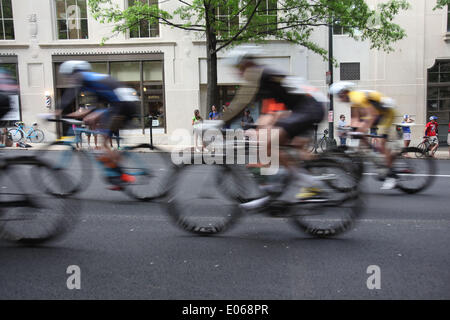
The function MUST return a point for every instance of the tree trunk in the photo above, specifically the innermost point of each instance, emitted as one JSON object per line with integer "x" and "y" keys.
{"x": 212, "y": 95}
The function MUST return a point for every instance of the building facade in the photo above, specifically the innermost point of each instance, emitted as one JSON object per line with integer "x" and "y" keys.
{"x": 167, "y": 67}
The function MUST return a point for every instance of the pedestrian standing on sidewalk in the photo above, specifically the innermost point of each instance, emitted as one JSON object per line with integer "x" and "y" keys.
{"x": 342, "y": 125}
{"x": 431, "y": 132}
{"x": 196, "y": 124}
{"x": 407, "y": 130}
{"x": 213, "y": 115}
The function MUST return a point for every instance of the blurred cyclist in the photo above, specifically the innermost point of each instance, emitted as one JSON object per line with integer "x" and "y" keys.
{"x": 287, "y": 106}
{"x": 431, "y": 132}
{"x": 370, "y": 109}
{"x": 122, "y": 103}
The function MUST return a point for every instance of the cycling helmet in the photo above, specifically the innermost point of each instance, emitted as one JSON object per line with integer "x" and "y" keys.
{"x": 433, "y": 118}
{"x": 242, "y": 53}
{"x": 70, "y": 67}
{"x": 405, "y": 116}
{"x": 338, "y": 87}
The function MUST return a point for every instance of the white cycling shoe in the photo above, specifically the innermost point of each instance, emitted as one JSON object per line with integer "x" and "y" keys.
{"x": 389, "y": 184}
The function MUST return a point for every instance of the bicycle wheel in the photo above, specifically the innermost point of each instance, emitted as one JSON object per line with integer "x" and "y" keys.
{"x": 327, "y": 144}
{"x": 30, "y": 216}
{"x": 197, "y": 204}
{"x": 423, "y": 150}
{"x": 414, "y": 175}
{"x": 71, "y": 163}
{"x": 16, "y": 135}
{"x": 150, "y": 170}
{"x": 333, "y": 216}
{"x": 339, "y": 173}
{"x": 37, "y": 136}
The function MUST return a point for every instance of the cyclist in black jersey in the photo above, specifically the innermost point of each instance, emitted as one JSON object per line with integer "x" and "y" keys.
{"x": 304, "y": 105}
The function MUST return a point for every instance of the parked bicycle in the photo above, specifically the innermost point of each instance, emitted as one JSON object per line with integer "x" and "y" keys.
{"x": 27, "y": 214}
{"x": 76, "y": 165}
{"x": 425, "y": 148}
{"x": 21, "y": 132}
{"x": 323, "y": 144}
{"x": 207, "y": 199}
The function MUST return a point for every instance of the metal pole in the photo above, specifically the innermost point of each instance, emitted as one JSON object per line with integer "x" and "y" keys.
{"x": 330, "y": 69}
{"x": 151, "y": 132}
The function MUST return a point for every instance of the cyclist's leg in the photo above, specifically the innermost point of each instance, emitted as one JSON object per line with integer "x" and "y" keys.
{"x": 385, "y": 130}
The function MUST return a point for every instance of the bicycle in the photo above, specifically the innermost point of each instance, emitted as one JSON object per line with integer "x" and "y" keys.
{"x": 425, "y": 148}
{"x": 222, "y": 193}
{"x": 76, "y": 165}
{"x": 27, "y": 214}
{"x": 33, "y": 134}
{"x": 325, "y": 143}
{"x": 413, "y": 175}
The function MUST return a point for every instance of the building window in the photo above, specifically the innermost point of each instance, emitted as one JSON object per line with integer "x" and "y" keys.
{"x": 14, "y": 114}
{"x": 265, "y": 19}
{"x": 71, "y": 19}
{"x": 145, "y": 77}
{"x": 226, "y": 20}
{"x": 350, "y": 71}
{"x": 340, "y": 30}
{"x": 7, "y": 23}
{"x": 145, "y": 29}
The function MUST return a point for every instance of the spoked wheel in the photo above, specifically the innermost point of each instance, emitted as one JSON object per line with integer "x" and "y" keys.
{"x": 335, "y": 214}
{"x": 37, "y": 136}
{"x": 339, "y": 173}
{"x": 29, "y": 215}
{"x": 414, "y": 175}
{"x": 69, "y": 162}
{"x": 198, "y": 204}
{"x": 422, "y": 150}
{"x": 327, "y": 144}
{"x": 150, "y": 175}
{"x": 16, "y": 135}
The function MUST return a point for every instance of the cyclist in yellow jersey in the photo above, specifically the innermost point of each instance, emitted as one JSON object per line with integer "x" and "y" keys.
{"x": 370, "y": 109}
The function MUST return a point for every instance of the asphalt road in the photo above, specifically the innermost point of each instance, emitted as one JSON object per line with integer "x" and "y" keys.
{"x": 131, "y": 250}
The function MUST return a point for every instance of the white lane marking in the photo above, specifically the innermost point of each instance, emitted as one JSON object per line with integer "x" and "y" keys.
{"x": 418, "y": 174}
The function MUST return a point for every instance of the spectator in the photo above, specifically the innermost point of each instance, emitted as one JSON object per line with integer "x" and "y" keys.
{"x": 247, "y": 120}
{"x": 213, "y": 115}
{"x": 116, "y": 136}
{"x": 342, "y": 125}
{"x": 431, "y": 131}
{"x": 407, "y": 130}
{"x": 196, "y": 121}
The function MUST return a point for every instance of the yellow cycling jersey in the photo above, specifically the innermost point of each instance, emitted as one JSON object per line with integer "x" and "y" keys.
{"x": 366, "y": 99}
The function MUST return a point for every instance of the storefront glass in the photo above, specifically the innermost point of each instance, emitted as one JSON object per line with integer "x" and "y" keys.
{"x": 145, "y": 77}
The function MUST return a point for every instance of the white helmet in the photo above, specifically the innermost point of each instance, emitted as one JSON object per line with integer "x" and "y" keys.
{"x": 70, "y": 67}
{"x": 244, "y": 52}
{"x": 338, "y": 87}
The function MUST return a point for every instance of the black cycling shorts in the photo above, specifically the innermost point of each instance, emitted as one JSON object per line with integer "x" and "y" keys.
{"x": 119, "y": 114}
{"x": 301, "y": 122}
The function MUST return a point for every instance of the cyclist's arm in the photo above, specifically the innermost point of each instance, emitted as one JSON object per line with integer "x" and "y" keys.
{"x": 245, "y": 94}
{"x": 367, "y": 124}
